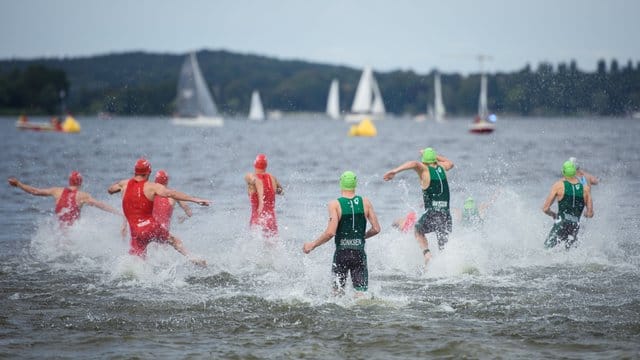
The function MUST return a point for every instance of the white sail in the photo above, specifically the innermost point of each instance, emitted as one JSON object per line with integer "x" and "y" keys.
{"x": 483, "y": 109}
{"x": 363, "y": 99}
{"x": 368, "y": 99}
{"x": 377, "y": 107}
{"x": 439, "y": 110}
{"x": 194, "y": 104}
{"x": 333, "y": 100}
{"x": 256, "y": 112}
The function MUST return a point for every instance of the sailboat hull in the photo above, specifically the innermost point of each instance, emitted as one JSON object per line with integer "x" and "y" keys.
{"x": 355, "y": 118}
{"x": 199, "y": 121}
{"x": 482, "y": 128}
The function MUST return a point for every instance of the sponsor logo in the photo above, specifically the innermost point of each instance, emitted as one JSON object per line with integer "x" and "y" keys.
{"x": 144, "y": 223}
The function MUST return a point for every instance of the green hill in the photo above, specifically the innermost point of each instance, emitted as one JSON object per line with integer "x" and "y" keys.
{"x": 139, "y": 83}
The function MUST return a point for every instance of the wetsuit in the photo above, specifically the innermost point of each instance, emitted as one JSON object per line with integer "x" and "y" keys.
{"x": 139, "y": 213}
{"x": 67, "y": 207}
{"x": 569, "y": 211}
{"x": 162, "y": 211}
{"x": 267, "y": 219}
{"x": 349, "y": 255}
{"x": 436, "y": 216}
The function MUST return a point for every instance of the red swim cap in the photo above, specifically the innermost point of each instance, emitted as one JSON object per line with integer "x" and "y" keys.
{"x": 75, "y": 179}
{"x": 143, "y": 167}
{"x": 162, "y": 177}
{"x": 261, "y": 162}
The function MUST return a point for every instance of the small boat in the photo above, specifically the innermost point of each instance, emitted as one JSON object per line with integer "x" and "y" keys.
{"x": 333, "y": 100}
{"x": 483, "y": 123}
{"x": 367, "y": 103}
{"x": 256, "y": 112}
{"x": 70, "y": 125}
{"x": 194, "y": 104}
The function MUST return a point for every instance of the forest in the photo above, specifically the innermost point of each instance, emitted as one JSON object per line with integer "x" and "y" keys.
{"x": 139, "y": 83}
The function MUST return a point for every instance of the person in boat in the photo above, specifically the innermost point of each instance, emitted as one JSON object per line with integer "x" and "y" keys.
{"x": 69, "y": 200}
{"x": 348, "y": 216}
{"x": 138, "y": 195}
{"x": 572, "y": 197}
{"x": 431, "y": 171}
{"x": 56, "y": 124}
{"x": 584, "y": 177}
{"x": 262, "y": 188}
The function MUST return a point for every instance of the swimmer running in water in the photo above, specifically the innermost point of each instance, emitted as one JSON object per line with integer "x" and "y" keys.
{"x": 572, "y": 198}
{"x": 137, "y": 203}
{"x": 348, "y": 217}
{"x": 262, "y": 188}
{"x": 69, "y": 200}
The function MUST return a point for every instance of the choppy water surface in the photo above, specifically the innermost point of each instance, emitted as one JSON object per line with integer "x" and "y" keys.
{"x": 494, "y": 295}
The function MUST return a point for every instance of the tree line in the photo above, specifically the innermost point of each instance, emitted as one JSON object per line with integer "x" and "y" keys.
{"x": 139, "y": 83}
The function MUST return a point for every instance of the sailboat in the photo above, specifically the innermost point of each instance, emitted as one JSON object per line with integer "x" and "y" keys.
{"x": 481, "y": 123}
{"x": 333, "y": 100}
{"x": 368, "y": 100}
{"x": 194, "y": 105}
{"x": 256, "y": 112}
{"x": 439, "y": 110}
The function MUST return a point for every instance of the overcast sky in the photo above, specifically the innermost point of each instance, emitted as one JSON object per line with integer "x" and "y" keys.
{"x": 388, "y": 35}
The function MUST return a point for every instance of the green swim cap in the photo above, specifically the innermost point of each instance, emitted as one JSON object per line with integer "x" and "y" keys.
{"x": 348, "y": 180}
{"x": 469, "y": 203}
{"x": 429, "y": 156}
{"x": 568, "y": 169}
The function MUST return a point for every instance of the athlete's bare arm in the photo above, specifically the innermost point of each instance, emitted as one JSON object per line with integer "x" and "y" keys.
{"x": 553, "y": 194}
{"x": 370, "y": 214}
{"x": 415, "y": 165}
{"x": 34, "y": 190}
{"x": 588, "y": 202}
{"x": 161, "y": 190}
{"x": 329, "y": 232}
{"x": 85, "y": 198}
{"x": 117, "y": 187}
{"x": 279, "y": 189}
{"x": 185, "y": 208}
{"x": 444, "y": 162}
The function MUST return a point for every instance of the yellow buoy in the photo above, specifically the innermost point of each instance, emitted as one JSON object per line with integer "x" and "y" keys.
{"x": 70, "y": 125}
{"x": 364, "y": 128}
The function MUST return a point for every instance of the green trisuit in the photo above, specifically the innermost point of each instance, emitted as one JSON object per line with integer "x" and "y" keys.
{"x": 569, "y": 212}
{"x": 436, "y": 216}
{"x": 349, "y": 239}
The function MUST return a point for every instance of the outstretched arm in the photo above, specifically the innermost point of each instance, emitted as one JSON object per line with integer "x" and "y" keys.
{"x": 161, "y": 190}
{"x": 329, "y": 232}
{"x": 30, "y": 189}
{"x": 117, "y": 187}
{"x": 102, "y": 206}
{"x": 406, "y": 166}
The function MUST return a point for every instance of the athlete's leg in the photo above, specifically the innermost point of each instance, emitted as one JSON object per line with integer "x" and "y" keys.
{"x": 359, "y": 271}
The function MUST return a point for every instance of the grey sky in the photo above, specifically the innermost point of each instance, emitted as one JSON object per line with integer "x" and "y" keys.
{"x": 388, "y": 35}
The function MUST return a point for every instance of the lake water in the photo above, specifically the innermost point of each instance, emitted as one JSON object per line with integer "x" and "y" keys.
{"x": 501, "y": 295}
